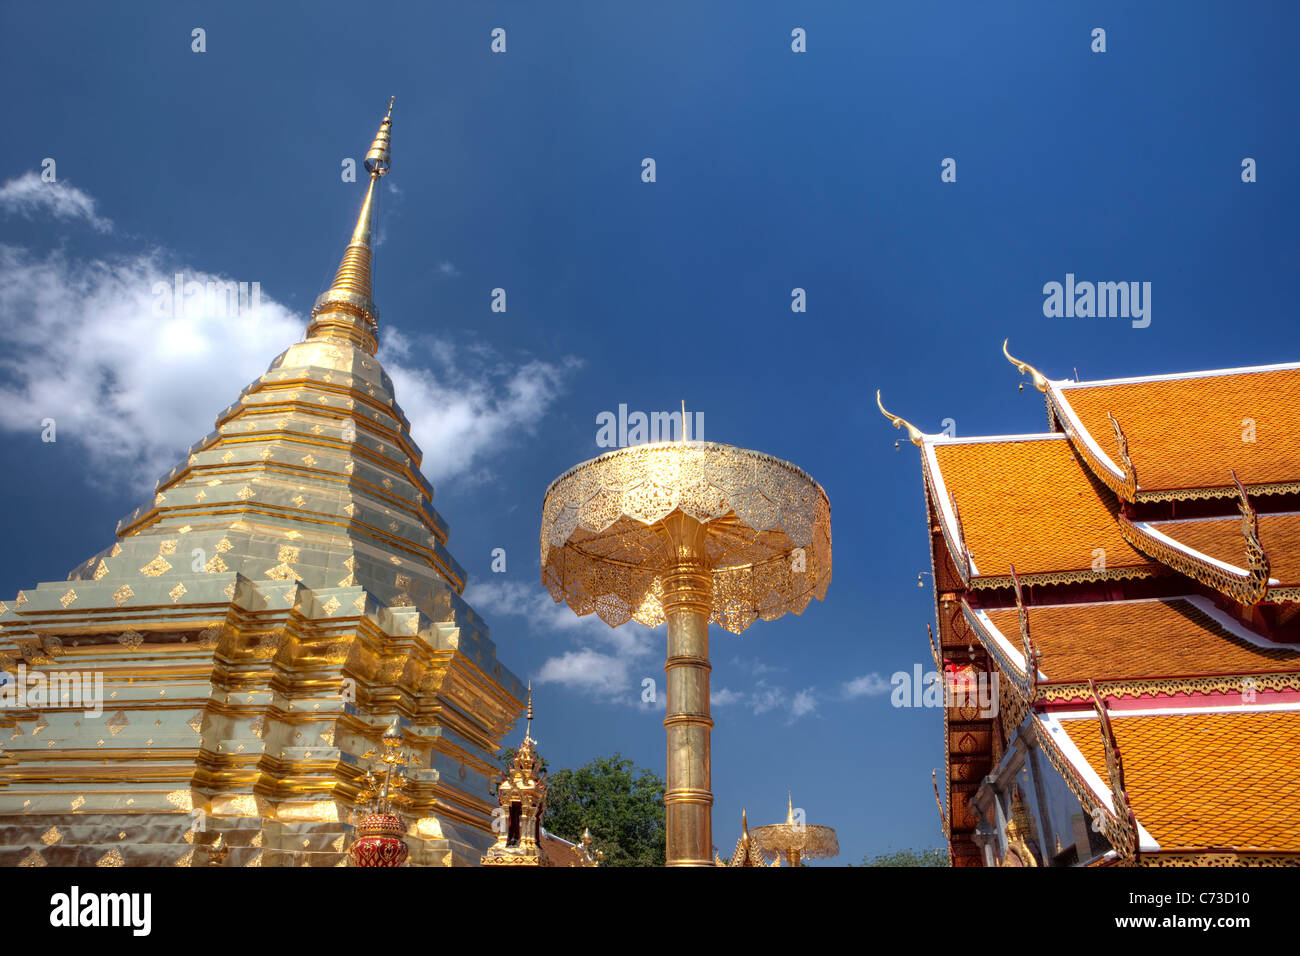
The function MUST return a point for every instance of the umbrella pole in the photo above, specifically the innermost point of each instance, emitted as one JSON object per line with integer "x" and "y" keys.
{"x": 687, "y": 603}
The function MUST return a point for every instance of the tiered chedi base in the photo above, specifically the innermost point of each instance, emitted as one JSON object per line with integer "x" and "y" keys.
{"x": 257, "y": 625}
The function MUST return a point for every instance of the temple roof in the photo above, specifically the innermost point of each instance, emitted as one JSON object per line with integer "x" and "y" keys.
{"x": 1113, "y": 640}
{"x": 1220, "y": 539}
{"x": 1026, "y": 501}
{"x": 1156, "y": 540}
{"x": 1242, "y": 419}
{"x": 1205, "y": 778}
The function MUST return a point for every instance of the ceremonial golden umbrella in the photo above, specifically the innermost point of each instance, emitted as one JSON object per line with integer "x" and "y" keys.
{"x": 689, "y": 533}
{"x": 796, "y": 840}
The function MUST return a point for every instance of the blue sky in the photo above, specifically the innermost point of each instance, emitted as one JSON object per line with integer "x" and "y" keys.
{"x": 522, "y": 170}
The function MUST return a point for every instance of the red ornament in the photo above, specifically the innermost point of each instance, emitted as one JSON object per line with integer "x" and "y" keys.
{"x": 379, "y": 841}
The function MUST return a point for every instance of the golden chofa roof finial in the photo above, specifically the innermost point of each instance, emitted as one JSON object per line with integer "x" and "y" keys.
{"x": 915, "y": 434}
{"x": 347, "y": 309}
{"x": 1040, "y": 380}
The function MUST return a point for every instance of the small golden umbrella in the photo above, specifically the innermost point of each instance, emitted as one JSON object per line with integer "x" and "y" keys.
{"x": 796, "y": 840}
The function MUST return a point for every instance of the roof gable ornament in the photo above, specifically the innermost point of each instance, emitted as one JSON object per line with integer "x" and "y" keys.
{"x": 1039, "y": 379}
{"x": 943, "y": 817}
{"x": 1016, "y": 706}
{"x": 1120, "y": 828}
{"x": 1130, "y": 472}
{"x": 1252, "y": 592}
{"x": 914, "y": 434}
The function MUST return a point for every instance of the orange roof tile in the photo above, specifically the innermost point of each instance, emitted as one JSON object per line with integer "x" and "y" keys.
{"x": 1187, "y": 432}
{"x": 1221, "y": 538}
{"x": 1030, "y": 502}
{"x": 1207, "y": 779}
{"x": 1129, "y": 640}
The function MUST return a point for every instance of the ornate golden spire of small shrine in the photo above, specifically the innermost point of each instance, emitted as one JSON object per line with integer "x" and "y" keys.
{"x": 522, "y": 796}
{"x": 347, "y": 308}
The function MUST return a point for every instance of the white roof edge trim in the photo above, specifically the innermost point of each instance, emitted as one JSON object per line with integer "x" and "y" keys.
{"x": 1100, "y": 788}
{"x": 989, "y": 439}
{"x": 1192, "y": 552}
{"x": 1200, "y": 602}
{"x": 1182, "y": 709}
{"x": 1268, "y": 514}
{"x": 1176, "y": 376}
{"x": 1086, "y": 436}
{"x": 945, "y": 506}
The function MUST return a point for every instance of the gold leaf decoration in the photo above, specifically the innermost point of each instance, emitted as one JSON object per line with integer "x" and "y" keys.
{"x": 282, "y": 572}
{"x": 157, "y": 566}
{"x": 117, "y": 722}
{"x": 68, "y": 598}
{"x": 101, "y": 569}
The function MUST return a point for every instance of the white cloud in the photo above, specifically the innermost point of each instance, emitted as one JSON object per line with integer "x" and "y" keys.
{"x": 868, "y": 685}
{"x": 765, "y": 697}
{"x": 85, "y": 347}
{"x": 804, "y": 703}
{"x": 448, "y": 270}
{"x": 32, "y": 198}
{"x": 604, "y": 676}
{"x": 464, "y": 404}
{"x": 609, "y": 665}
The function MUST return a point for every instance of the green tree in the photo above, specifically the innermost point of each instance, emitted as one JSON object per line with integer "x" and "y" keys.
{"x": 931, "y": 856}
{"x": 622, "y": 805}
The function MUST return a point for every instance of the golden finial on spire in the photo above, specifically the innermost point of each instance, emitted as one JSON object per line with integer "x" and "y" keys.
{"x": 1040, "y": 380}
{"x": 789, "y": 813}
{"x": 528, "y": 732}
{"x": 914, "y": 434}
{"x": 347, "y": 309}
{"x": 378, "y": 160}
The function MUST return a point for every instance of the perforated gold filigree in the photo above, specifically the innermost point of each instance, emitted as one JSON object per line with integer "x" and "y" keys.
{"x": 767, "y": 522}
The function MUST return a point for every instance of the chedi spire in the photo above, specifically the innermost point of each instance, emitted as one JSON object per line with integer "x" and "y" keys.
{"x": 347, "y": 309}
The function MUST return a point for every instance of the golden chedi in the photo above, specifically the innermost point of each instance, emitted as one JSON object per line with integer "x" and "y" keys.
{"x": 284, "y": 596}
